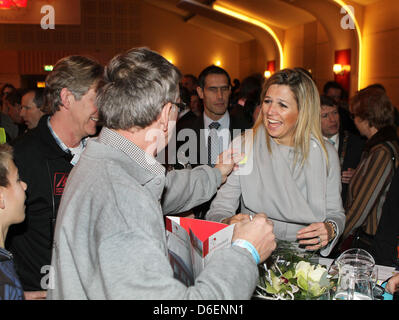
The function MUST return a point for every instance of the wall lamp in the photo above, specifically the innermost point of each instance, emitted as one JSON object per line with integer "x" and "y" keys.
{"x": 341, "y": 69}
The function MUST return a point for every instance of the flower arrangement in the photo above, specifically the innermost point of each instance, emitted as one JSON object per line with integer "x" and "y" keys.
{"x": 291, "y": 276}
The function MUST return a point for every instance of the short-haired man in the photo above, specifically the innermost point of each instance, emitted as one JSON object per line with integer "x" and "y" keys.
{"x": 110, "y": 237}
{"x": 336, "y": 92}
{"x": 10, "y": 121}
{"x": 348, "y": 145}
{"x": 45, "y": 156}
{"x": 32, "y": 102}
{"x": 214, "y": 89}
{"x": 190, "y": 82}
{"x": 215, "y": 128}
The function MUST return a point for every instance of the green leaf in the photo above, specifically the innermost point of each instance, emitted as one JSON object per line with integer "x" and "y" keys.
{"x": 289, "y": 274}
{"x": 270, "y": 289}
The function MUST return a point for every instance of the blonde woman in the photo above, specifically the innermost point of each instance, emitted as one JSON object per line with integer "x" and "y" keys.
{"x": 291, "y": 173}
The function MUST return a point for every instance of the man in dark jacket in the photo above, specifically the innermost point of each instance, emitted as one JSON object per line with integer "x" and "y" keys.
{"x": 348, "y": 145}
{"x": 44, "y": 157}
{"x": 214, "y": 129}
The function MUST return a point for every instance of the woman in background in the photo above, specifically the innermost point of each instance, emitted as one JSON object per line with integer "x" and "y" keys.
{"x": 373, "y": 115}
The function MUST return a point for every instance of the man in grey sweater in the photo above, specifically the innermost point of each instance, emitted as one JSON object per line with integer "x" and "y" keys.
{"x": 110, "y": 240}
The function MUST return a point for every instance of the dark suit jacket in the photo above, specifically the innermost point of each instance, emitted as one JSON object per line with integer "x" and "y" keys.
{"x": 350, "y": 151}
{"x": 386, "y": 238}
{"x": 200, "y": 156}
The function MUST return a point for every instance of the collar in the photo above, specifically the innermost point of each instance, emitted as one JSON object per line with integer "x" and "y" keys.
{"x": 143, "y": 159}
{"x": 335, "y": 140}
{"x": 224, "y": 121}
{"x": 61, "y": 144}
{"x": 385, "y": 134}
{"x": 76, "y": 151}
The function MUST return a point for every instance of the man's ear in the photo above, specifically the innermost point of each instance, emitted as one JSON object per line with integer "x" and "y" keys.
{"x": 67, "y": 98}
{"x": 164, "y": 117}
{"x": 2, "y": 196}
{"x": 200, "y": 92}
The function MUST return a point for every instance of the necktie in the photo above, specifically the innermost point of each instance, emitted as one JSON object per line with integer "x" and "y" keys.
{"x": 213, "y": 143}
{"x": 332, "y": 142}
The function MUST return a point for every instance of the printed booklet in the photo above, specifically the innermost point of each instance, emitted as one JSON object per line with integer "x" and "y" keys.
{"x": 191, "y": 242}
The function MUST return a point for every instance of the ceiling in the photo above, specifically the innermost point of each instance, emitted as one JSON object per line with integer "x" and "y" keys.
{"x": 273, "y": 12}
{"x": 281, "y": 14}
{"x": 366, "y": 2}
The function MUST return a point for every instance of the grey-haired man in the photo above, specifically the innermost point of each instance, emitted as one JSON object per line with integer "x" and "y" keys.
{"x": 110, "y": 238}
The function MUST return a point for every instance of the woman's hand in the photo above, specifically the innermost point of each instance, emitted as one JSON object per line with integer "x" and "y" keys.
{"x": 228, "y": 161}
{"x": 315, "y": 236}
{"x": 347, "y": 175}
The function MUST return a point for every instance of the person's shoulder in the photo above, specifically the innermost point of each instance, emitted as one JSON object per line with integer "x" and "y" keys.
{"x": 355, "y": 138}
{"x": 189, "y": 122}
{"x": 238, "y": 120}
{"x": 32, "y": 138}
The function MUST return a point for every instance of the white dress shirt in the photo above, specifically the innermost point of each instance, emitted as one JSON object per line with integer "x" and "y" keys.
{"x": 223, "y": 131}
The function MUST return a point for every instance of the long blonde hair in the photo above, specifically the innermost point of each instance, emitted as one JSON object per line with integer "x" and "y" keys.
{"x": 308, "y": 101}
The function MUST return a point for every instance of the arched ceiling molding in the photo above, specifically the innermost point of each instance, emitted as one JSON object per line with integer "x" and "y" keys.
{"x": 257, "y": 23}
{"x": 256, "y": 30}
{"x": 344, "y": 5}
{"x": 328, "y": 13}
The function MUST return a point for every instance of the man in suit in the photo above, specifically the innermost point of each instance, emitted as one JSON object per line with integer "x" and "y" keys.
{"x": 214, "y": 129}
{"x": 348, "y": 145}
{"x": 336, "y": 92}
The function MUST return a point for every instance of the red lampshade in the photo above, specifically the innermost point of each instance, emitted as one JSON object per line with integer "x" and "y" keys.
{"x": 8, "y": 4}
{"x": 20, "y": 3}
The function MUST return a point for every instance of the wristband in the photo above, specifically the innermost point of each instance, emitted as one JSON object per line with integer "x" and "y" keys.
{"x": 248, "y": 245}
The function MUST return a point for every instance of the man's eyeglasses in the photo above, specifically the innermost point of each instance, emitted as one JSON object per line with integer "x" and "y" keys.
{"x": 180, "y": 105}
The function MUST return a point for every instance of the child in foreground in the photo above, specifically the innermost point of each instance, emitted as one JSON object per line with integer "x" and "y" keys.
{"x": 12, "y": 211}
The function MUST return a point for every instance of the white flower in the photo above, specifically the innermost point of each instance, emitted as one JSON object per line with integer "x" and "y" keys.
{"x": 302, "y": 268}
{"x": 318, "y": 275}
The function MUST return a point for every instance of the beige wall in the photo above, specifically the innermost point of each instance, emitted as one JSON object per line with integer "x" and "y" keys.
{"x": 381, "y": 46}
{"x": 309, "y": 47}
{"x": 107, "y": 29}
{"x": 191, "y": 48}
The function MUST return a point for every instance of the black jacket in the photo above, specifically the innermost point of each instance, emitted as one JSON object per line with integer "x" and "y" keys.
{"x": 45, "y": 167}
{"x": 350, "y": 152}
{"x": 386, "y": 240}
{"x": 237, "y": 126}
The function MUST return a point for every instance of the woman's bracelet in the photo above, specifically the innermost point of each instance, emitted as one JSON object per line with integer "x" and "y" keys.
{"x": 334, "y": 229}
{"x": 247, "y": 245}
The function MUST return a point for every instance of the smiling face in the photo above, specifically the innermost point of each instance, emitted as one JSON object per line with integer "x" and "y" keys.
{"x": 215, "y": 95}
{"x": 280, "y": 113}
{"x": 85, "y": 114}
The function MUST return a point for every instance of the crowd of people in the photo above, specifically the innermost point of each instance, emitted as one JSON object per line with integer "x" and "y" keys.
{"x": 83, "y": 190}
